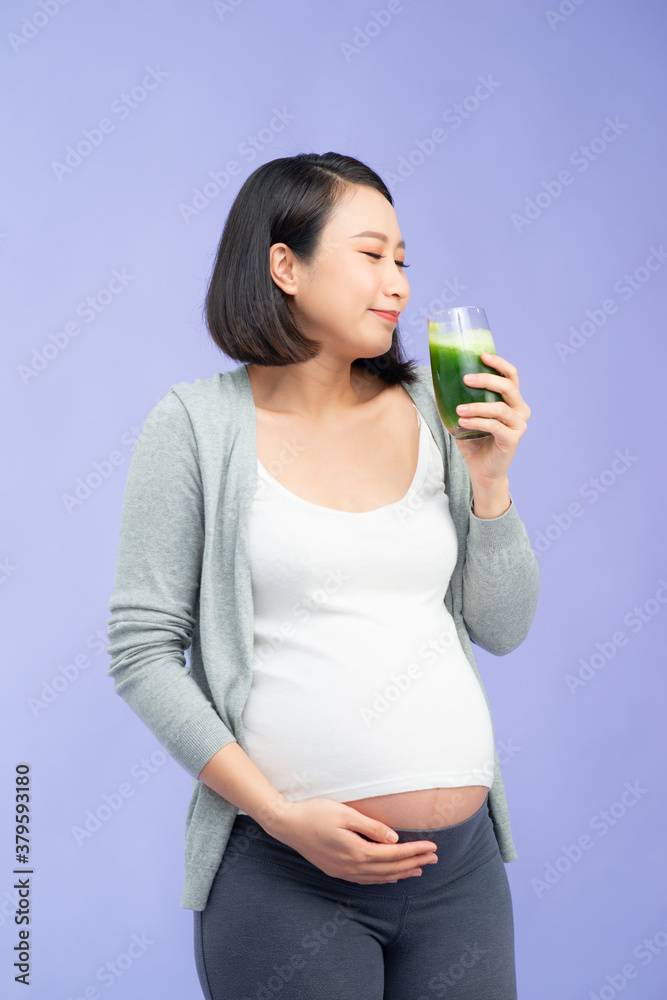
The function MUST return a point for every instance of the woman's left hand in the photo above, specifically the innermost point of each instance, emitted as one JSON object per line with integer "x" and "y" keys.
{"x": 489, "y": 458}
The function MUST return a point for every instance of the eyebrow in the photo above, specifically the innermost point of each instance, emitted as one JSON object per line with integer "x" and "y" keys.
{"x": 378, "y": 236}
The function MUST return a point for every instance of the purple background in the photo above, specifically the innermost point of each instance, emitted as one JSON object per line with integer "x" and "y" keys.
{"x": 374, "y": 85}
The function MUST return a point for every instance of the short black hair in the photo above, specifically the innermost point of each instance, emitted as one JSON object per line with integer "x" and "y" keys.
{"x": 288, "y": 200}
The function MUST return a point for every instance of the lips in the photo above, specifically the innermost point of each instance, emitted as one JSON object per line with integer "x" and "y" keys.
{"x": 391, "y": 316}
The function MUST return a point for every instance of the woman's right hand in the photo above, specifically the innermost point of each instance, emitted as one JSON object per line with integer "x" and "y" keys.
{"x": 326, "y": 834}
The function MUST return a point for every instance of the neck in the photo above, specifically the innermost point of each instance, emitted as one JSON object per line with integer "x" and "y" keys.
{"x": 315, "y": 391}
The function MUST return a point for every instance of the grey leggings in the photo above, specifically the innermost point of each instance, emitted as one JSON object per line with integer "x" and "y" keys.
{"x": 275, "y": 925}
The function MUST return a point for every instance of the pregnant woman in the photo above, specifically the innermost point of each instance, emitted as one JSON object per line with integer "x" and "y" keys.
{"x": 306, "y": 525}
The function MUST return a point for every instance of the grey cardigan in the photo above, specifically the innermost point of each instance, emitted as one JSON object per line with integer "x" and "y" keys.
{"x": 183, "y": 581}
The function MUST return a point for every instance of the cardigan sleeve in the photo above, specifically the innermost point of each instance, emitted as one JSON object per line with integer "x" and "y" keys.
{"x": 153, "y": 605}
{"x": 501, "y": 581}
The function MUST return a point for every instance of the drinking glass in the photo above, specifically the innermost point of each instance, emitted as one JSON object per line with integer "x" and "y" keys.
{"x": 456, "y": 339}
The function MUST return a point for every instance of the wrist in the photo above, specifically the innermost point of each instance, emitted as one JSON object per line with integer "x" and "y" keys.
{"x": 491, "y": 498}
{"x": 273, "y": 815}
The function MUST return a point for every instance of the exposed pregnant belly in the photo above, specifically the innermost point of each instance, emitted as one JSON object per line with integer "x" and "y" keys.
{"x": 425, "y": 809}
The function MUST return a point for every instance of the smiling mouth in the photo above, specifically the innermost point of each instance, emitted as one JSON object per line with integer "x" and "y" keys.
{"x": 392, "y": 317}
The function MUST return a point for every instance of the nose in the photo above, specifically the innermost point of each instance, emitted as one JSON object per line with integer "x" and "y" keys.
{"x": 396, "y": 282}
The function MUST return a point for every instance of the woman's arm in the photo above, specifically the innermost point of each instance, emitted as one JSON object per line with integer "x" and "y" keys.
{"x": 501, "y": 580}
{"x": 234, "y": 776}
{"x": 500, "y": 573}
{"x": 156, "y": 587}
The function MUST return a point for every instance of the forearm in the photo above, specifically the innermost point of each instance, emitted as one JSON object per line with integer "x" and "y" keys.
{"x": 500, "y": 577}
{"x": 232, "y": 774}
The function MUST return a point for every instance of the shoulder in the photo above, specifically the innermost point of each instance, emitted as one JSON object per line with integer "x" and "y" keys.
{"x": 425, "y": 377}
{"x": 204, "y": 399}
{"x": 423, "y": 385}
{"x": 206, "y": 391}
{"x": 194, "y": 416}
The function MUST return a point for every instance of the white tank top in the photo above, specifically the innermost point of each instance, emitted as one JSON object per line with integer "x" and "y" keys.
{"x": 360, "y": 686}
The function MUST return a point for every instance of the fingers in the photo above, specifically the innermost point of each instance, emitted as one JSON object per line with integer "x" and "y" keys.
{"x": 414, "y": 849}
{"x": 390, "y": 881}
{"x": 506, "y": 384}
{"x": 381, "y": 862}
{"x": 497, "y": 383}
{"x": 391, "y": 877}
{"x": 393, "y": 848}
{"x": 501, "y": 412}
{"x": 501, "y": 365}
{"x": 392, "y": 871}
{"x": 391, "y": 862}
{"x": 513, "y": 411}
{"x": 386, "y": 879}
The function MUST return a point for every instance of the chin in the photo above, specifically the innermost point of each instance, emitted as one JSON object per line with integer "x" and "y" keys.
{"x": 370, "y": 355}
{"x": 382, "y": 349}
{"x": 377, "y": 348}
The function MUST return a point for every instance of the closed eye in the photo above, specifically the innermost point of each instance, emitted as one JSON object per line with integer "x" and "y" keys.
{"x": 379, "y": 256}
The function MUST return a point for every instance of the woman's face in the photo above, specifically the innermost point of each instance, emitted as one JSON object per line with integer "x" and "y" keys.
{"x": 334, "y": 298}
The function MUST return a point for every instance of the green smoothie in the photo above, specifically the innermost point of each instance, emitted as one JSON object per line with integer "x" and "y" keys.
{"x": 449, "y": 363}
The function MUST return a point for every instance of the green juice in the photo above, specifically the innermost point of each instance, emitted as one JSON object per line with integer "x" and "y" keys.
{"x": 449, "y": 363}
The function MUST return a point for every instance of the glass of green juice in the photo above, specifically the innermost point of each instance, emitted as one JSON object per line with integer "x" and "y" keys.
{"x": 456, "y": 339}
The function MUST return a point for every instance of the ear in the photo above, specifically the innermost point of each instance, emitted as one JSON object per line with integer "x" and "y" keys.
{"x": 285, "y": 269}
